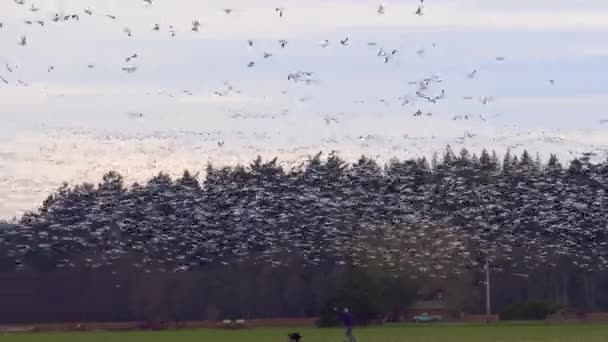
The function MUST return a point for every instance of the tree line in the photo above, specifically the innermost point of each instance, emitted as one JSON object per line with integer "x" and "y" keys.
{"x": 262, "y": 241}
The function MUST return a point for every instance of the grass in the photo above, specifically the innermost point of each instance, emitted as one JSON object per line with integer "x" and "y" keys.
{"x": 401, "y": 333}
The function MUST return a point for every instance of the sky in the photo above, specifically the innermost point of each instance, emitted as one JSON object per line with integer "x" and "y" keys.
{"x": 75, "y": 123}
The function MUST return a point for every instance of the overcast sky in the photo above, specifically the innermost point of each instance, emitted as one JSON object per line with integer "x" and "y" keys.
{"x": 74, "y": 122}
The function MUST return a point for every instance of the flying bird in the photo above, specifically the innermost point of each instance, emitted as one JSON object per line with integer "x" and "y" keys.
{"x": 22, "y": 41}
{"x": 130, "y": 69}
{"x": 486, "y": 99}
{"x": 324, "y": 43}
{"x": 344, "y": 41}
{"x": 381, "y": 9}
{"x": 128, "y": 59}
{"x": 196, "y": 25}
{"x": 279, "y": 11}
{"x": 283, "y": 43}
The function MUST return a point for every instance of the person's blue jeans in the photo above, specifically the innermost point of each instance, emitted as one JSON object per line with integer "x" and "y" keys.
{"x": 349, "y": 335}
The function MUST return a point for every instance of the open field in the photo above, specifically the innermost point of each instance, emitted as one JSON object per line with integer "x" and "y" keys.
{"x": 422, "y": 333}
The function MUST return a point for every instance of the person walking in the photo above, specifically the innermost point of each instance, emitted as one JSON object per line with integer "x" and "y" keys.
{"x": 347, "y": 319}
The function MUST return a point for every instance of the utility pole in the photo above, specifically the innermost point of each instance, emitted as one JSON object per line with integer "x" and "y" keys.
{"x": 488, "y": 300}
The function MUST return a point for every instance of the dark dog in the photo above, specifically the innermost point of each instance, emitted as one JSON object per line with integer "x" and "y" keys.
{"x": 294, "y": 337}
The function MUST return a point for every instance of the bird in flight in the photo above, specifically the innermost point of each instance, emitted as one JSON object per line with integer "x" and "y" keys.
{"x": 280, "y": 11}
{"x": 128, "y": 59}
{"x": 130, "y": 69}
{"x": 22, "y": 41}
{"x": 282, "y": 42}
{"x": 381, "y": 9}
{"x": 324, "y": 43}
{"x": 113, "y": 17}
{"x": 196, "y": 25}
{"x": 344, "y": 41}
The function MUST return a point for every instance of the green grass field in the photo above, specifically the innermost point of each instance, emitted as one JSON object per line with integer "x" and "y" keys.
{"x": 423, "y": 333}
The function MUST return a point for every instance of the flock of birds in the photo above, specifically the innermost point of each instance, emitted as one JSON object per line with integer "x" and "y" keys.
{"x": 325, "y": 209}
{"x": 409, "y": 217}
{"x": 423, "y": 88}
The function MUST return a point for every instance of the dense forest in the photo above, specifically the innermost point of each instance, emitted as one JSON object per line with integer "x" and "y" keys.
{"x": 263, "y": 241}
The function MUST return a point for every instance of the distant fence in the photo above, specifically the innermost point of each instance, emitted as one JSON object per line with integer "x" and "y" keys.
{"x": 125, "y": 326}
{"x": 13, "y": 329}
{"x": 255, "y": 323}
{"x": 479, "y": 318}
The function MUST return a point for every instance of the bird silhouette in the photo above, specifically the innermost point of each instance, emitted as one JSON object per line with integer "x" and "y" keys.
{"x": 381, "y": 9}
